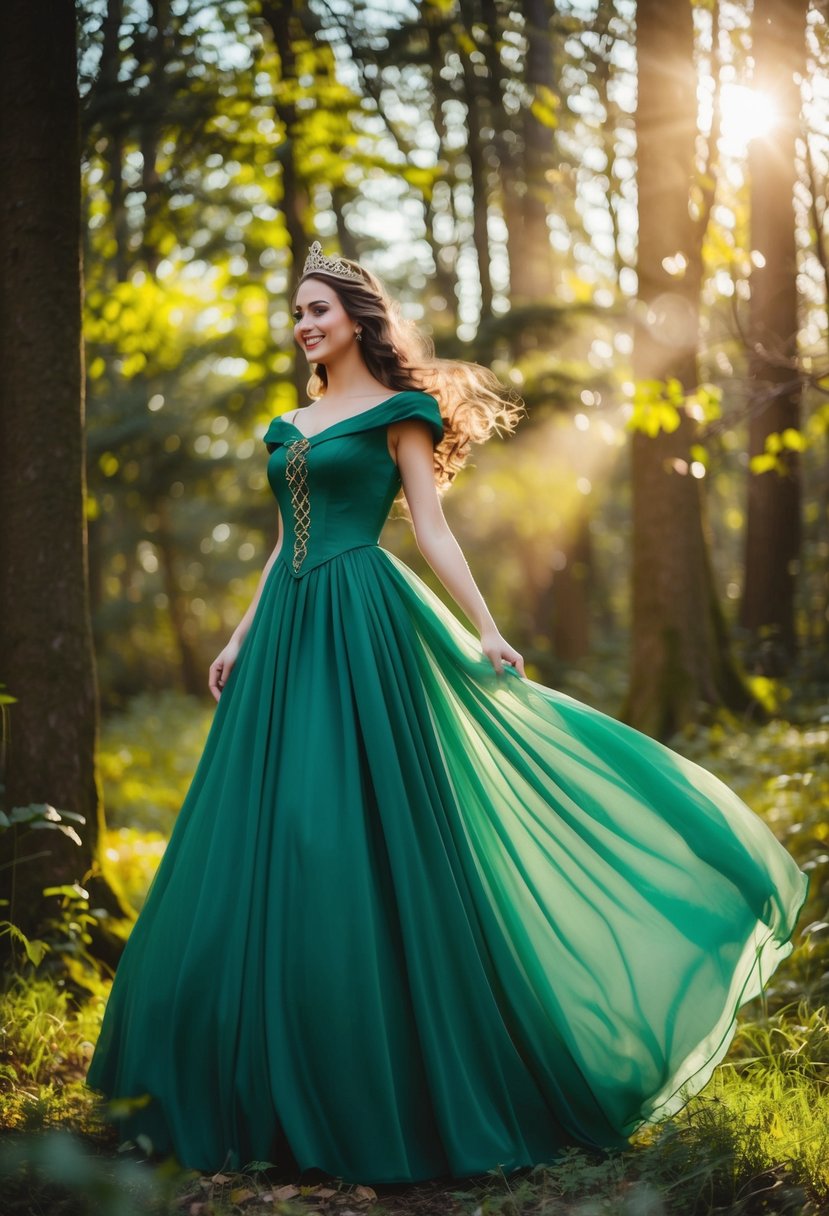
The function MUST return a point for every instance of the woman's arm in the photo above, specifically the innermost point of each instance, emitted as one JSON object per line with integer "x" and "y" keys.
{"x": 411, "y": 441}
{"x": 222, "y": 665}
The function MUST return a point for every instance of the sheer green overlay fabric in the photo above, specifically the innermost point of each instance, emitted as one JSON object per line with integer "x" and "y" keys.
{"x": 416, "y": 919}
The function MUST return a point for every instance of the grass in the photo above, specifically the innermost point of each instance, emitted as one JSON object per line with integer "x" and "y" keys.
{"x": 755, "y": 1141}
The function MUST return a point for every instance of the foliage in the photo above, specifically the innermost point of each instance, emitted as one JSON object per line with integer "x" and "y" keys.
{"x": 5, "y": 697}
{"x": 776, "y": 445}
{"x": 209, "y": 151}
{"x": 147, "y": 755}
{"x": 132, "y": 856}
{"x": 22, "y": 820}
{"x": 47, "y": 1037}
{"x": 55, "y": 1171}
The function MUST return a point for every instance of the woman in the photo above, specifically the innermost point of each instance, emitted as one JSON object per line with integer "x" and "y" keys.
{"x": 420, "y": 916}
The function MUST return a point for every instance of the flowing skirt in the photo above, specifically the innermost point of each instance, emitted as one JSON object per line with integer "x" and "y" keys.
{"x": 416, "y": 919}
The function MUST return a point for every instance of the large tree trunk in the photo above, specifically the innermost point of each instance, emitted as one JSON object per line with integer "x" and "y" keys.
{"x": 774, "y": 497}
{"x": 680, "y": 659}
{"x": 45, "y": 633}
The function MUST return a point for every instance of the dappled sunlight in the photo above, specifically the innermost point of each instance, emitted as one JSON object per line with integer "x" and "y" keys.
{"x": 524, "y": 504}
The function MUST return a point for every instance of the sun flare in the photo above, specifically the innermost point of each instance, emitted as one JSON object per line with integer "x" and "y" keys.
{"x": 746, "y": 114}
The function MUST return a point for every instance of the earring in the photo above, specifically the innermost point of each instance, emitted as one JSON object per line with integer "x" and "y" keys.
{"x": 358, "y": 334}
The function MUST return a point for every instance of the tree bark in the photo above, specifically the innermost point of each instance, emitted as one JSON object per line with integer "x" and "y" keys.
{"x": 45, "y": 633}
{"x": 773, "y": 532}
{"x": 680, "y": 660}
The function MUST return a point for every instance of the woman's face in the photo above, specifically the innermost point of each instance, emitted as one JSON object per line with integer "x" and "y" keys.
{"x": 322, "y": 327}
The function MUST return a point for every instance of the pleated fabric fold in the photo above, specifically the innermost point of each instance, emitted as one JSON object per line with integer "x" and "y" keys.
{"x": 416, "y": 919}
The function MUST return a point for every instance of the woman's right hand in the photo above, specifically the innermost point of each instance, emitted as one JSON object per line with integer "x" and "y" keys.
{"x": 222, "y": 666}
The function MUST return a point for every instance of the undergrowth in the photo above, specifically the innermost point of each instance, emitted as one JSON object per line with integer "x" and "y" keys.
{"x": 755, "y": 1141}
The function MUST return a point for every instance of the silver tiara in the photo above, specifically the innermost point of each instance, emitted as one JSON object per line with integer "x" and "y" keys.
{"x": 317, "y": 260}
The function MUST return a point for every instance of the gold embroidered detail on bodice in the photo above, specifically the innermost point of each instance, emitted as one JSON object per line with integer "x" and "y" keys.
{"x": 296, "y": 475}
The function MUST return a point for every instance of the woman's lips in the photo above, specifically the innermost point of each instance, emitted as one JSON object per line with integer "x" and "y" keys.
{"x": 310, "y": 343}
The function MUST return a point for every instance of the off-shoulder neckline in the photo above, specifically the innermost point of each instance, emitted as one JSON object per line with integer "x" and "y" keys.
{"x": 351, "y": 418}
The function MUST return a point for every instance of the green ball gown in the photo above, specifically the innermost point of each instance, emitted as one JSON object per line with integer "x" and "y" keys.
{"x": 416, "y": 919}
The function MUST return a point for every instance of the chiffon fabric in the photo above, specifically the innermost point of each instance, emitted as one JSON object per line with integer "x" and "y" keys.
{"x": 416, "y": 919}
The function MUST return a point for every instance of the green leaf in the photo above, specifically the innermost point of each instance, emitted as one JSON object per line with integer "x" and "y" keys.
{"x": 794, "y": 439}
{"x": 35, "y": 949}
{"x": 763, "y": 464}
{"x": 72, "y": 889}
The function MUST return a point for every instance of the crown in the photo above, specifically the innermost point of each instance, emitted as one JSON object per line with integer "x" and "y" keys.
{"x": 317, "y": 260}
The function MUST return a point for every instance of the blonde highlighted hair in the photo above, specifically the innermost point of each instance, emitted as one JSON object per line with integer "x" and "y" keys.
{"x": 473, "y": 402}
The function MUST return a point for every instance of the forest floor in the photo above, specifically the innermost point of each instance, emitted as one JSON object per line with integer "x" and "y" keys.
{"x": 755, "y": 1141}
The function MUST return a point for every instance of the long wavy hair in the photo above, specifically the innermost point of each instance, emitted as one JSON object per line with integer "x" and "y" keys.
{"x": 473, "y": 402}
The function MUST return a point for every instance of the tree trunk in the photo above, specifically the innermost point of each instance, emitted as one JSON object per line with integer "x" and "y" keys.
{"x": 114, "y": 151}
{"x": 108, "y": 89}
{"x": 571, "y": 594}
{"x": 774, "y": 497}
{"x": 507, "y": 144}
{"x": 474, "y": 87}
{"x": 680, "y": 661}
{"x": 45, "y": 634}
{"x": 534, "y": 278}
{"x": 445, "y": 281}
{"x": 193, "y": 675}
{"x": 278, "y": 14}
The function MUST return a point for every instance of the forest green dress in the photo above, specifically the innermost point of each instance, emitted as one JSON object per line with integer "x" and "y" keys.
{"x": 416, "y": 919}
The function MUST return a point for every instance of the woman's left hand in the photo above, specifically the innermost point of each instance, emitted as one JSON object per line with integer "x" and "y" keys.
{"x": 498, "y": 650}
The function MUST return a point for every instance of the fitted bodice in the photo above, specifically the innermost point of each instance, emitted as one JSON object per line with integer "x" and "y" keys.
{"x": 335, "y": 489}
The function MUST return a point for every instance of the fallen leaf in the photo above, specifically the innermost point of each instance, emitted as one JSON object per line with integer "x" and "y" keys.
{"x": 242, "y": 1194}
{"x": 284, "y": 1192}
{"x": 363, "y": 1192}
{"x": 219, "y": 1179}
{"x": 324, "y": 1192}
